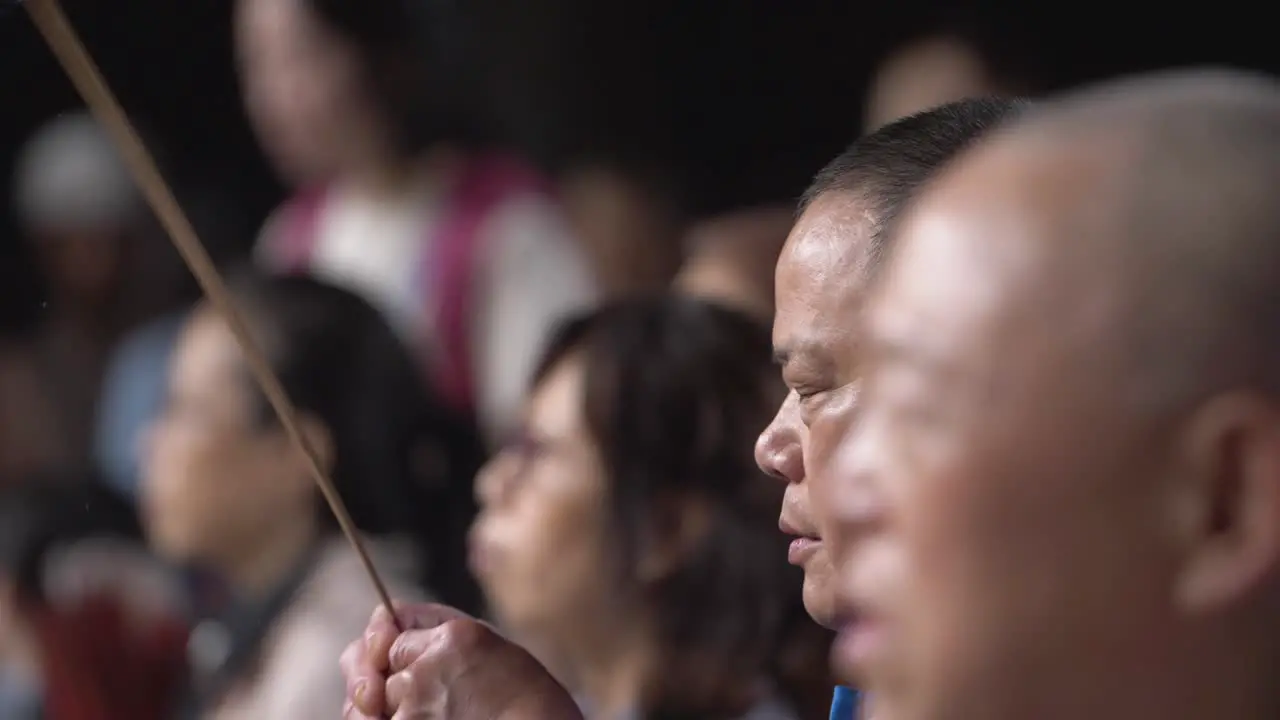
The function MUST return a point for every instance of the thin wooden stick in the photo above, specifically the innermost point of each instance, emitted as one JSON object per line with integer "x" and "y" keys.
{"x": 63, "y": 40}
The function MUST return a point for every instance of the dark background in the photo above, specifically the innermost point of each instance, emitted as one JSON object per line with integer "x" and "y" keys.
{"x": 732, "y": 101}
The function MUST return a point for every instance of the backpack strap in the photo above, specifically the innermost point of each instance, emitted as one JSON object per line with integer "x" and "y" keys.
{"x": 454, "y": 262}
{"x": 295, "y": 242}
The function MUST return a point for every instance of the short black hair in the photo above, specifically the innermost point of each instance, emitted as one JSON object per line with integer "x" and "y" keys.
{"x": 403, "y": 462}
{"x": 889, "y": 165}
{"x": 676, "y": 391}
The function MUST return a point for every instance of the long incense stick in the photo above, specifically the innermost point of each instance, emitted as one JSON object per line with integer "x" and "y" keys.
{"x": 65, "y": 43}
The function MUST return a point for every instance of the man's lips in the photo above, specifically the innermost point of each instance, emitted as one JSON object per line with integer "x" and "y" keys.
{"x": 804, "y": 546}
{"x": 802, "y": 549}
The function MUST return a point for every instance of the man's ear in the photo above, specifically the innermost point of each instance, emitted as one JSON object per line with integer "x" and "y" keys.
{"x": 676, "y": 526}
{"x": 1228, "y": 505}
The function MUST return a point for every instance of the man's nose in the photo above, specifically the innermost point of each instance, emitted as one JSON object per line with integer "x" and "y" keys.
{"x": 779, "y": 454}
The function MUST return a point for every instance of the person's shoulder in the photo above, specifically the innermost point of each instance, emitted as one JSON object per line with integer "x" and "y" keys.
{"x": 339, "y": 594}
{"x": 274, "y": 246}
{"x": 515, "y": 194}
{"x": 300, "y": 669}
{"x": 299, "y": 675}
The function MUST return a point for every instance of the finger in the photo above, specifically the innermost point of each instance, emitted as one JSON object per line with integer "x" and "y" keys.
{"x": 410, "y": 648}
{"x": 349, "y": 712}
{"x": 415, "y": 693}
{"x": 365, "y": 684}
{"x": 382, "y": 631}
{"x": 378, "y": 637}
{"x": 399, "y": 688}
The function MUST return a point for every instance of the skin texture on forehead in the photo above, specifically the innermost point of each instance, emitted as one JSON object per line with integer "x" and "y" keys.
{"x": 825, "y": 260}
{"x": 1026, "y": 533}
{"x": 827, "y": 267}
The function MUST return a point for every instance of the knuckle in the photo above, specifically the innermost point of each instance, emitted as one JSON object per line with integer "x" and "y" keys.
{"x": 463, "y": 634}
{"x": 406, "y": 649}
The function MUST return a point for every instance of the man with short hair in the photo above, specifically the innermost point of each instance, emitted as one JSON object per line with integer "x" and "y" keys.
{"x": 1061, "y": 496}
{"x": 833, "y": 251}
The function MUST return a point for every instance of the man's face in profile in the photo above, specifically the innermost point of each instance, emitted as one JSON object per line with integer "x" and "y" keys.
{"x": 993, "y": 538}
{"x": 819, "y": 288}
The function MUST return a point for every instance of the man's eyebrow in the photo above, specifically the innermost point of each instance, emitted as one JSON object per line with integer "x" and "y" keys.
{"x": 808, "y": 351}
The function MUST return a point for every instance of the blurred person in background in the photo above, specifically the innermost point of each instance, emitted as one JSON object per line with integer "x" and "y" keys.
{"x": 951, "y": 62}
{"x": 626, "y": 536}
{"x": 78, "y": 207}
{"x": 225, "y": 489}
{"x": 90, "y": 624}
{"x": 133, "y": 391}
{"x": 730, "y": 258}
{"x": 136, "y": 376}
{"x": 466, "y": 252}
{"x": 630, "y": 228}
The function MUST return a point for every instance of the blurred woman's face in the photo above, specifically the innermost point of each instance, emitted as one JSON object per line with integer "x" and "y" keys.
{"x": 216, "y": 481}
{"x": 301, "y": 87}
{"x": 541, "y": 545}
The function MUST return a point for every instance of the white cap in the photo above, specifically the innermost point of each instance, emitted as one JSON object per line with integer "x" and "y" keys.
{"x": 69, "y": 177}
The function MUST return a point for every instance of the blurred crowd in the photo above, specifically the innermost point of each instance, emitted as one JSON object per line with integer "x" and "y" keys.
{"x": 537, "y": 396}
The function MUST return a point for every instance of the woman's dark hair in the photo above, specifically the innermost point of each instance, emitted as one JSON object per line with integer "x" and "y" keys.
{"x": 676, "y": 391}
{"x": 412, "y": 55}
{"x": 403, "y": 463}
{"x": 41, "y": 514}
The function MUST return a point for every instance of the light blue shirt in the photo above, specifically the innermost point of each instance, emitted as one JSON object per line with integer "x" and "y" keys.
{"x": 18, "y": 700}
{"x": 133, "y": 393}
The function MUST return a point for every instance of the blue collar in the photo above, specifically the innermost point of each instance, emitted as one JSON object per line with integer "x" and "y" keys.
{"x": 844, "y": 704}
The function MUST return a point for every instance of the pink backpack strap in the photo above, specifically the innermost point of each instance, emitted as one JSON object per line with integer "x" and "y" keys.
{"x": 300, "y": 229}
{"x": 483, "y": 186}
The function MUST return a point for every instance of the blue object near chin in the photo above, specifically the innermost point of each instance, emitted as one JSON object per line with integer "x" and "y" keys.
{"x": 844, "y": 704}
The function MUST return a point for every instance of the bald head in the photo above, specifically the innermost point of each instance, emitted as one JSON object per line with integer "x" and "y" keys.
{"x": 1062, "y": 495}
{"x": 1161, "y": 193}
